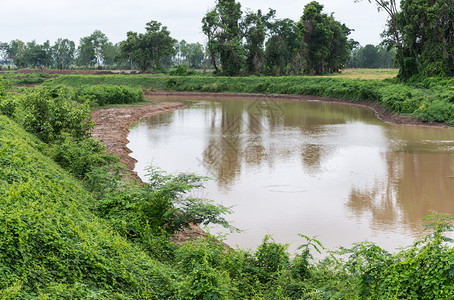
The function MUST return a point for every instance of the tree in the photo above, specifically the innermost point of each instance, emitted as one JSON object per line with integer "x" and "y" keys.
{"x": 370, "y": 56}
{"x": 91, "y": 49}
{"x": 109, "y": 53}
{"x": 191, "y": 54}
{"x": 427, "y": 29}
{"x": 85, "y": 53}
{"x": 14, "y": 51}
{"x": 256, "y": 26}
{"x": 222, "y": 26}
{"x": 422, "y": 34}
{"x": 283, "y": 48}
{"x": 34, "y": 55}
{"x": 63, "y": 53}
{"x": 149, "y": 49}
{"x": 3, "y": 53}
{"x": 326, "y": 40}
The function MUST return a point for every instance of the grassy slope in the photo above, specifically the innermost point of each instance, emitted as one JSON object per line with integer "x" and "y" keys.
{"x": 51, "y": 243}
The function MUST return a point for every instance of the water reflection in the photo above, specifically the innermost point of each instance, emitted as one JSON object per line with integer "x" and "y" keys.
{"x": 322, "y": 169}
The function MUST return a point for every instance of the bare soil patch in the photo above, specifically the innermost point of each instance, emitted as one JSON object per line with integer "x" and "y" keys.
{"x": 112, "y": 130}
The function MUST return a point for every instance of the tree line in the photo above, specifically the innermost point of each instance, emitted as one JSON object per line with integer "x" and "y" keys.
{"x": 237, "y": 43}
{"x": 371, "y": 57}
{"x": 95, "y": 50}
{"x": 419, "y": 39}
{"x": 258, "y": 43}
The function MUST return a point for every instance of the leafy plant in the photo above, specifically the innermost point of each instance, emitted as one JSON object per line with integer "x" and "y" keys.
{"x": 161, "y": 204}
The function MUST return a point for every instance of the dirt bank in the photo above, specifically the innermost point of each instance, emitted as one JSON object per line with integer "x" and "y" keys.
{"x": 112, "y": 130}
{"x": 379, "y": 110}
{"x": 112, "y": 126}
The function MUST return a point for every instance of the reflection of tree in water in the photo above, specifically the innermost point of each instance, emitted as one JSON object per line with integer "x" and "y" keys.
{"x": 222, "y": 154}
{"x": 238, "y": 137}
{"x": 312, "y": 156}
{"x": 416, "y": 184}
{"x": 249, "y": 130}
{"x": 161, "y": 119}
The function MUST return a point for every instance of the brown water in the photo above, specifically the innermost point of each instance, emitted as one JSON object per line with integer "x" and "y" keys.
{"x": 321, "y": 169}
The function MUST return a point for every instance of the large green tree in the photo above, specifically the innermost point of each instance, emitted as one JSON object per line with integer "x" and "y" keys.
{"x": 256, "y": 25}
{"x": 422, "y": 33}
{"x": 327, "y": 46}
{"x": 284, "y": 48}
{"x": 148, "y": 50}
{"x": 64, "y": 53}
{"x": 222, "y": 26}
{"x": 427, "y": 29}
{"x": 90, "y": 51}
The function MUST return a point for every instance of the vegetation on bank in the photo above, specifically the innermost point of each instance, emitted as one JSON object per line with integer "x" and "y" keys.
{"x": 428, "y": 100}
{"x": 73, "y": 225}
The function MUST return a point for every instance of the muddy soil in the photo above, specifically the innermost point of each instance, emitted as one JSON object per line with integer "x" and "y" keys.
{"x": 112, "y": 130}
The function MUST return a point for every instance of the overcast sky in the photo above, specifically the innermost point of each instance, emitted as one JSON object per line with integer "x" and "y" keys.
{"x": 29, "y": 20}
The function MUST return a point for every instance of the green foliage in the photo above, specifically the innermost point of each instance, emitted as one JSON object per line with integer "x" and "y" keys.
{"x": 48, "y": 115}
{"x": 428, "y": 46}
{"x": 204, "y": 263}
{"x": 191, "y": 54}
{"x": 222, "y": 26}
{"x": 147, "y": 50}
{"x": 101, "y": 95}
{"x": 271, "y": 258}
{"x": 423, "y": 271}
{"x": 179, "y": 71}
{"x": 283, "y": 49}
{"x": 327, "y": 47}
{"x": 371, "y": 56}
{"x": 51, "y": 245}
{"x": 25, "y": 79}
{"x": 2, "y": 87}
{"x": 80, "y": 157}
{"x": 160, "y": 205}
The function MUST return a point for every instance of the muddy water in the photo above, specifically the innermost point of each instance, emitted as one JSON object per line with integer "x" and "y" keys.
{"x": 321, "y": 169}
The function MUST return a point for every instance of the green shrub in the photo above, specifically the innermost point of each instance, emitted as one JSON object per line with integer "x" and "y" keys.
{"x": 271, "y": 258}
{"x": 161, "y": 205}
{"x": 102, "y": 95}
{"x": 438, "y": 110}
{"x": 80, "y": 157}
{"x": 48, "y": 115}
{"x": 51, "y": 244}
{"x": 423, "y": 271}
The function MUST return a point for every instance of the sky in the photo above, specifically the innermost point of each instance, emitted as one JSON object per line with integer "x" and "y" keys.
{"x": 43, "y": 20}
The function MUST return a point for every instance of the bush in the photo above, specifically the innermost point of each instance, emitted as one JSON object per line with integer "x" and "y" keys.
{"x": 160, "y": 206}
{"x": 80, "y": 157}
{"x": 271, "y": 258}
{"x": 49, "y": 115}
{"x": 102, "y": 95}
